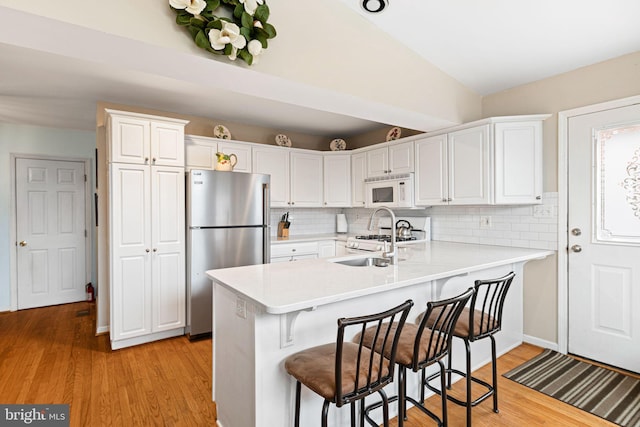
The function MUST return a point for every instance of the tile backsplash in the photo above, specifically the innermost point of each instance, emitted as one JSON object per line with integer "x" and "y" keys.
{"x": 530, "y": 226}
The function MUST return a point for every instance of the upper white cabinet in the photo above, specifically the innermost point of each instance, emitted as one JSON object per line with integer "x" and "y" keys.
{"x": 390, "y": 159}
{"x": 497, "y": 161}
{"x": 144, "y": 139}
{"x": 306, "y": 180}
{"x": 274, "y": 161}
{"x": 337, "y": 180}
{"x": 296, "y": 176}
{"x": 242, "y": 152}
{"x": 358, "y": 175}
{"x": 518, "y": 162}
{"x": 200, "y": 152}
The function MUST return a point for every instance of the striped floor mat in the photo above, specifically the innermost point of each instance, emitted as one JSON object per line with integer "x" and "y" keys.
{"x": 600, "y": 391}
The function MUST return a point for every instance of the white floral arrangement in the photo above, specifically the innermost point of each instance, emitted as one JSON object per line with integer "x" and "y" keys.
{"x": 234, "y": 28}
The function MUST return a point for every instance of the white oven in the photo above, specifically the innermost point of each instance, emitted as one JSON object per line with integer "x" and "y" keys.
{"x": 393, "y": 191}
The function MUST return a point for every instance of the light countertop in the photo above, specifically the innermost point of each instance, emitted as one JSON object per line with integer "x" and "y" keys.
{"x": 292, "y": 286}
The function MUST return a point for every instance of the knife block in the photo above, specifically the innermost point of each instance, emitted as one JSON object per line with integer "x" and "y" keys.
{"x": 282, "y": 232}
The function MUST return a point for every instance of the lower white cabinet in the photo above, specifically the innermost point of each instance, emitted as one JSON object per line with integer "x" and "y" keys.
{"x": 294, "y": 251}
{"x": 147, "y": 253}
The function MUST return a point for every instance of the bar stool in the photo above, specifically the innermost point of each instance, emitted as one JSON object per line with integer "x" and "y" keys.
{"x": 345, "y": 372}
{"x": 485, "y": 314}
{"x": 420, "y": 347}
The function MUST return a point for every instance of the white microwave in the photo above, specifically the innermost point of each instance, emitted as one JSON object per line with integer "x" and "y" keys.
{"x": 393, "y": 191}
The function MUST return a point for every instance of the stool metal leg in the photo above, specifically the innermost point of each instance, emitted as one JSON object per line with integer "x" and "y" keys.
{"x": 297, "y": 415}
{"x": 443, "y": 397}
{"x": 495, "y": 374}
{"x": 325, "y": 413}
{"x": 468, "y": 348}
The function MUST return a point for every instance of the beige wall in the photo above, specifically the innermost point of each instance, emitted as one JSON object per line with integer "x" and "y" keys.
{"x": 613, "y": 79}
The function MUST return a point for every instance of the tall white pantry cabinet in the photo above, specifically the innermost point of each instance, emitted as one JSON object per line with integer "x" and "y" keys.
{"x": 146, "y": 227}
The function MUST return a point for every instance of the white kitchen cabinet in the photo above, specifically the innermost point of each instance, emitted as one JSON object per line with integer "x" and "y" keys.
{"x": 431, "y": 183}
{"x": 145, "y": 140}
{"x": 358, "y": 175}
{"x": 306, "y": 180}
{"x": 453, "y": 168}
{"x": 200, "y": 152}
{"x": 296, "y": 176}
{"x": 294, "y": 251}
{"x": 274, "y": 161}
{"x": 390, "y": 159}
{"x": 497, "y": 161}
{"x": 326, "y": 248}
{"x": 518, "y": 162}
{"x": 242, "y": 152}
{"x": 468, "y": 164}
{"x": 337, "y": 180}
{"x": 147, "y": 253}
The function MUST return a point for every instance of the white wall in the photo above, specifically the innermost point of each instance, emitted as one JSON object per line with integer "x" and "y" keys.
{"x": 21, "y": 139}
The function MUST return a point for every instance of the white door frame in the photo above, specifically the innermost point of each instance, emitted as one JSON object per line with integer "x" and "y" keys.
{"x": 563, "y": 212}
{"x": 13, "y": 254}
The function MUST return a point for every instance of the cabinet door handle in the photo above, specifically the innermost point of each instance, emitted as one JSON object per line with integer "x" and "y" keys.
{"x": 146, "y": 160}
{"x": 155, "y": 249}
{"x": 23, "y": 243}
{"x": 147, "y": 250}
{"x": 538, "y": 197}
{"x": 153, "y": 160}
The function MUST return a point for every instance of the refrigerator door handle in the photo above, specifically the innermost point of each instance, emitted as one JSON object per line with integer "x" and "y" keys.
{"x": 266, "y": 204}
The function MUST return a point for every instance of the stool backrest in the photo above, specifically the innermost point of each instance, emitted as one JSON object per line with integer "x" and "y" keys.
{"x": 434, "y": 341}
{"x": 372, "y": 370}
{"x": 486, "y": 306}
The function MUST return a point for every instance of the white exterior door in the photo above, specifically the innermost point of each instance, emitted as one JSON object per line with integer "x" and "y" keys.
{"x": 604, "y": 236}
{"x": 50, "y": 212}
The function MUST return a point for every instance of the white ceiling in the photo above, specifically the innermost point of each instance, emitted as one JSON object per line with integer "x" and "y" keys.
{"x": 493, "y": 45}
{"x": 488, "y": 46}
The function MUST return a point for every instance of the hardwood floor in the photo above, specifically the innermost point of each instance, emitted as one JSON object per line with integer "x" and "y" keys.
{"x": 50, "y": 355}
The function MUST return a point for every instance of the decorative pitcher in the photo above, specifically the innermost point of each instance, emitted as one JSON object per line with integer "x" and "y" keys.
{"x": 225, "y": 162}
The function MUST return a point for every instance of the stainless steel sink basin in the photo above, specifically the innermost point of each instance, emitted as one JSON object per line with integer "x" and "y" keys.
{"x": 365, "y": 262}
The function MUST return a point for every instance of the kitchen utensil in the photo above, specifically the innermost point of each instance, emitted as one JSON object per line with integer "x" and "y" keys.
{"x": 403, "y": 228}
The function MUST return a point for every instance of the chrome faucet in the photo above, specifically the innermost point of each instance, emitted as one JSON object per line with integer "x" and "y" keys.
{"x": 391, "y": 254}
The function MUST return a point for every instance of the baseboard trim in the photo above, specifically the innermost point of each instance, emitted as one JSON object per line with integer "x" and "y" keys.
{"x": 540, "y": 342}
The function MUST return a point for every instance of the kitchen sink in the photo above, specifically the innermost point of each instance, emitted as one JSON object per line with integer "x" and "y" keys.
{"x": 365, "y": 262}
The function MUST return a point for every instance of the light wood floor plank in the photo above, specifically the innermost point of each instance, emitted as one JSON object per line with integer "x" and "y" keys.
{"x": 50, "y": 355}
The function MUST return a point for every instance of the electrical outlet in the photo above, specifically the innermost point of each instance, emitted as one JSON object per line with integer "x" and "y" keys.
{"x": 241, "y": 308}
{"x": 485, "y": 222}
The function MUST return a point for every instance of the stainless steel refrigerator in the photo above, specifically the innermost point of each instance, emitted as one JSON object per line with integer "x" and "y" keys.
{"x": 227, "y": 226}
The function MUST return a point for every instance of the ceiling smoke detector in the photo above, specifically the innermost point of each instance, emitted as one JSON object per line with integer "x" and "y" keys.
{"x": 374, "y": 6}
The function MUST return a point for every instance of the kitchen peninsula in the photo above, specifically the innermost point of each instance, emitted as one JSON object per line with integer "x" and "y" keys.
{"x": 263, "y": 313}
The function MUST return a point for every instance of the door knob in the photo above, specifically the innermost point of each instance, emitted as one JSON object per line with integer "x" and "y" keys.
{"x": 576, "y": 248}
{"x": 23, "y": 243}
{"x": 576, "y": 232}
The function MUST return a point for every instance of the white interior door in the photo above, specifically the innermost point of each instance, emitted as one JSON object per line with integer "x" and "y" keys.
{"x": 50, "y": 219}
{"x": 604, "y": 236}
